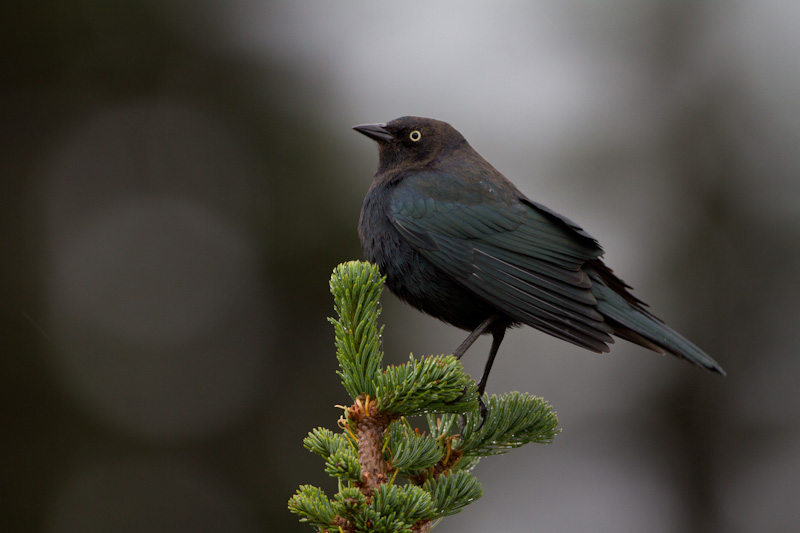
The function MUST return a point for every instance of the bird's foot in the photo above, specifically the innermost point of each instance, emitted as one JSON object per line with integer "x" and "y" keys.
{"x": 484, "y": 413}
{"x": 459, "y": 397}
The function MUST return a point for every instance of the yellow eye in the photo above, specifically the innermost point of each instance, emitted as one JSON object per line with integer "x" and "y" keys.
{"x": 415, "y": 135}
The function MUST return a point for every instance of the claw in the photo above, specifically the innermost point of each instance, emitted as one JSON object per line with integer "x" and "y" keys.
{"x": 459, "y": 397}
{"x": 484, "y": 412}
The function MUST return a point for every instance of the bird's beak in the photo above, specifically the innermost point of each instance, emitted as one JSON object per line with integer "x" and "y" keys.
{"x": 376, "y": 132}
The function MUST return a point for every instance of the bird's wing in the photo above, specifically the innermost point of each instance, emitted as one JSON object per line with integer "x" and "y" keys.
{"x": 518, "y": 256}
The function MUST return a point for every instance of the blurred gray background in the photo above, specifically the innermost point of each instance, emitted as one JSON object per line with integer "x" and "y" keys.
{"x": 179, "y": 178}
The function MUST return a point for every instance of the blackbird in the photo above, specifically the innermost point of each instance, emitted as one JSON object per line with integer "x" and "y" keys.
{"x": 458, "y": 241}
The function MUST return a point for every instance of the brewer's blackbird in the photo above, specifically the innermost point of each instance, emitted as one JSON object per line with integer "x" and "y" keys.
{"x": 459, "y": 241}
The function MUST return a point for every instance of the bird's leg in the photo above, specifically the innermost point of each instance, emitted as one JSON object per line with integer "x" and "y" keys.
{"x": 497, "y": 338}
{"x": 498, "y": 332}
{"x": 464, "y": 346}
{"x": 470, "y": 340}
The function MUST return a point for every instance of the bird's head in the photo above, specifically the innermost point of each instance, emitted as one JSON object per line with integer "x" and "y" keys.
{"x": 412, "y": 142}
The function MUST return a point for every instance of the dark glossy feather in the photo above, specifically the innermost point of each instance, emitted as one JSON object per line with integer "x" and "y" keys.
{"x": 523, "y": 262}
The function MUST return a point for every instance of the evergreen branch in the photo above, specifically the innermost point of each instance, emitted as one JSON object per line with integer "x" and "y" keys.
{"x": 451, "y": 493}
{"x": 349, "y": 503}
{"x": 341, "y": 457}
{"x": 514, "y": 419}
{"x": 312, "y": 506}
{"x": 356, "y": 288}
{"x": 411, "y": 502}
{"x": 378, "y": 444}
{"x": 431, "y": 384}
{"x": 325, "y": 442}
{"x": 409, "y": 451}
{"x": 344, "y": 464}
{"x": 372, "y": 521}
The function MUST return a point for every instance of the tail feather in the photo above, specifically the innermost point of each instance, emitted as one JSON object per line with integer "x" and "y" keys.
{"x": 633, "y": 322}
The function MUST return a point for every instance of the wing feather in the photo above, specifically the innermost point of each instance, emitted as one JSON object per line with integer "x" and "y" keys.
{"x": 520, "y": 258}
